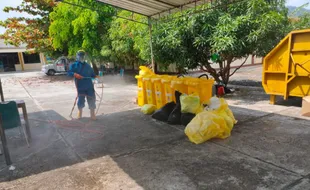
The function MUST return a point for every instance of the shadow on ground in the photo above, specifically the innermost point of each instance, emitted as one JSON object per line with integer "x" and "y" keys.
{"x": 246, "y": 83}
{"x": 128, "y": 150}
{"x": 244, "y": 95}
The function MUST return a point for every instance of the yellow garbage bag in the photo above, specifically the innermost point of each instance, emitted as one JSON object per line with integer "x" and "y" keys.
{"x": 207, "y": 125}
{"x": 216, "y": 122}
{"x": 216, "y": 103}
{"x": 148, "y": 109}
{"x": 219, "y": 106}
{"x": 230, "y": 121}
{"x": 190, "y": 104}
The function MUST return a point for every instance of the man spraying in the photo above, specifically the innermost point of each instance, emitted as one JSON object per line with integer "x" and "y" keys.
{"x": 83, "y": 74}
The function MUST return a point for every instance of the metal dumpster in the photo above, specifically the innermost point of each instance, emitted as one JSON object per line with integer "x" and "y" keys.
{"x": 286, "y": 69}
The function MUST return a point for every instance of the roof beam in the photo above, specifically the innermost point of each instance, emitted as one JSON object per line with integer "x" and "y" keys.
{"x": 166, "y": 3}
{"x": 131, "y": 6}
{"x": 180, "y": 6}
{"x": 118, "y": 7}
{"x": 147, "y": 4}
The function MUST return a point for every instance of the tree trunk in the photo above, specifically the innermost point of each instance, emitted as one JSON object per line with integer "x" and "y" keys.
{"x": 207, "y": 68}
{"x": 226, "y": 74}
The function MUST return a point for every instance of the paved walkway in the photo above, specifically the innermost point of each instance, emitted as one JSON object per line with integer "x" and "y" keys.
{"x": 124, "y": 149}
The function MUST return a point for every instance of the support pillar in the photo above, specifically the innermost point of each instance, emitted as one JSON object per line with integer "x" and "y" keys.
{"x": 272, "y": 99}
{"x": 42, "y": 58}
{"x": 21, "y": 60}
{"x": 151, "y": 46}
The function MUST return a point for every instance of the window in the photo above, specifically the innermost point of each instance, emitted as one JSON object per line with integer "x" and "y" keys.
{"x": 31, "y": 58}
{"x": 61, "y": 62}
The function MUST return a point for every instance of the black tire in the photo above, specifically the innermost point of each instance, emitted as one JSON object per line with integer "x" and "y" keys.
{"x": 51, "y": 72}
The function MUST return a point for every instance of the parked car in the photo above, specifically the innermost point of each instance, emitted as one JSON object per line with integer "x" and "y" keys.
{"x": 61, "y": 65}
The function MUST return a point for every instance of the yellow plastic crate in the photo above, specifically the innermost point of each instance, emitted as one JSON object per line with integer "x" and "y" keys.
{"x": 141, "y": 91}
{"x": 168, "y": 90}
{"x": 159, "y": 91}
{"x": 149, "y": 88}
{"x": 178, "y": 84}
{"x": 201, "y": 87}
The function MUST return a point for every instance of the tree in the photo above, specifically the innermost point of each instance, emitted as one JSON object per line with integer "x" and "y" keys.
{"x": 301, "y": 22}
{"x": 231, "y": 31}
{"x": 129, "y": 40}
{"x": 31, "y": 31}
{"x": 84, "y": 26}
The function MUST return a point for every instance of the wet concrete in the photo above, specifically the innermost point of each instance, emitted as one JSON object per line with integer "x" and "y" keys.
{"x": 125, "y": 149}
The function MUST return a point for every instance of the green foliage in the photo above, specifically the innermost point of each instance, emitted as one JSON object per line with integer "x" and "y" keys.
{"x": 73, "y": 28}
{"x": 30, "y": 31}
{"x": 303, "y": 22}
{"x": 129, "y": 40}
{"x": 234, "y": 31}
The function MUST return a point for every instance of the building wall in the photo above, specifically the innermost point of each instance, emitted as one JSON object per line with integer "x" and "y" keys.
{"x": 18, "y": 67}
{"x": 32, "y": 67}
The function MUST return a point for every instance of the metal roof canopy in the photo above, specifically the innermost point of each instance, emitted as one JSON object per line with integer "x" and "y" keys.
{"x": 154, "y": 8}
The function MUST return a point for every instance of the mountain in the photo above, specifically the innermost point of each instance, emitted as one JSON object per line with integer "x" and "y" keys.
{"x": 300, "y": 12}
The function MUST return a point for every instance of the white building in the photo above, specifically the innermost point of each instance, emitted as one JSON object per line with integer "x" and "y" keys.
{"x": 15, "y": 59}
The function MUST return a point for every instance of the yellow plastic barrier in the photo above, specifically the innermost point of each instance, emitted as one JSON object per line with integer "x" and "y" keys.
{"x": 286, "y": 69}
{"x": 149, "y": 88}
{"x": 178, "y": 84}
{"x": 201, "y": 87}
{"x": 168, "y": 90}
{"x": 159, "y": 91}
{"x": 141, "y": 91}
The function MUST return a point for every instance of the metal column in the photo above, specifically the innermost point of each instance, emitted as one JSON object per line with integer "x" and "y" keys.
{"x": 151, "y": 45}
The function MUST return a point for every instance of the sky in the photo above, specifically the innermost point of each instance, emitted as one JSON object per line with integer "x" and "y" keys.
{"x": 14, "y": 3}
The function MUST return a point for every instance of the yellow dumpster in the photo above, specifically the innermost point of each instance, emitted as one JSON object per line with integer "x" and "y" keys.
{"x": 149, "y": 88}
{"x": 286, "y": 69}
{"x": 141, "y": 91}
{"x": 168, "y": 90}
{"x": 200, "y": 86}
{"x": 159, "y": 91}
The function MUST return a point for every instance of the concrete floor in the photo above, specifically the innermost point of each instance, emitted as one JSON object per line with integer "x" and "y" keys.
{"x": 124, "y": 149}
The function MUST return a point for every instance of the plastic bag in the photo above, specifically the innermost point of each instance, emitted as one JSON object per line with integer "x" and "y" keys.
{"x": 186, "y": 118}
{"x": 216, "y": 103}
{"x": 220, "y": 107}
{"x": 177, "y": 95}
{"x": 148, "y": 109}
{"x": 230, "y": 122}
{"x": 190, "y": 104}
{"x": 216, "y": 122}
{"x": 163, "y": 113}
{"x": 205, "y": 126}
{"x": 175, "y": 116}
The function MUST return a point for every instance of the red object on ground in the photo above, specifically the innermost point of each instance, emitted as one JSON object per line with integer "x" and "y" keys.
{"x": 221, "y": 91}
